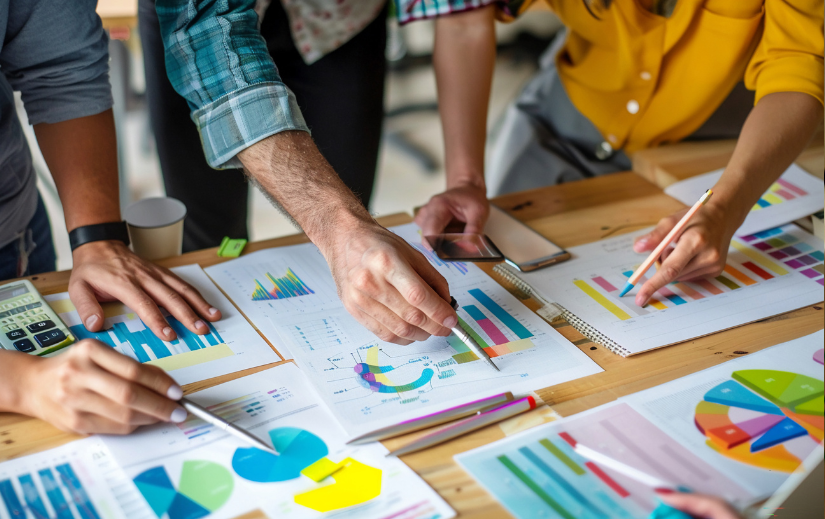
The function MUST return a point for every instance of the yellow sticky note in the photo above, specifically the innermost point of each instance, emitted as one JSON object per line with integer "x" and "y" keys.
{"x": 355, "y": 483}
{"x": 320, "y": 469}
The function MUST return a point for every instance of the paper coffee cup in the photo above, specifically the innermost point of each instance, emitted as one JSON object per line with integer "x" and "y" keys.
{"x": 156, "y": 227}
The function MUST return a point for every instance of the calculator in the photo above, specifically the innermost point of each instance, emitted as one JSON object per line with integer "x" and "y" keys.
{"x": 28, "y": 323}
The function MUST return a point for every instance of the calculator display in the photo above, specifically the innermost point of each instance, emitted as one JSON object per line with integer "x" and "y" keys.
{"x": 14, "y": 291}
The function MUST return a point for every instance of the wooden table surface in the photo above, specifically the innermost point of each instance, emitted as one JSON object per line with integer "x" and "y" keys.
{"x": 570, "y": 214}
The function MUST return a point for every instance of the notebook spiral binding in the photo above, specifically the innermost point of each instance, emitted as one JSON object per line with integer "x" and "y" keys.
{"x": 549, "y": 311}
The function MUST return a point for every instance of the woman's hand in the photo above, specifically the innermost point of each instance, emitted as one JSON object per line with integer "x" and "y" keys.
{"x": 466, "y": 203}
{"x": 699, "y": 505}
{"x": 700, "y": 251}
{"x": 92, "y": 388}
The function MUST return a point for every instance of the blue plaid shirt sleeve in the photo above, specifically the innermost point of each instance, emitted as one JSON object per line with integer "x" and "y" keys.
{"x": 412, "y": 10}
{"x": 217, "y": 60}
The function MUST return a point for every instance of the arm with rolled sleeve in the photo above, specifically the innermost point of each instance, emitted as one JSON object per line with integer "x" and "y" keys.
{"x": 218, "y": 61}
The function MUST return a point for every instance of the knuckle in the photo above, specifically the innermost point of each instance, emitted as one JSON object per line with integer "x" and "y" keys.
{"x": 379, "y": 259}
{"x": 131, "y": 371}
{"x": 403, "y": 330}
{"x": 416, "y": 295}
{"x": 386, "y": 335}
{"x": 669, "y": 272}
{"x": 125, "y": 395}
{"x": 363, "y": 280}
{"x": 415, "y": 317}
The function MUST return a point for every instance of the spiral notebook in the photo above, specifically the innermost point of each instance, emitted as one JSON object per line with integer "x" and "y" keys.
{"x": 767, "y": 273}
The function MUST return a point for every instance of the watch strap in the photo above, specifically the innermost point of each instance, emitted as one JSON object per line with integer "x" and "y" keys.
{"x": 99, "y": 232}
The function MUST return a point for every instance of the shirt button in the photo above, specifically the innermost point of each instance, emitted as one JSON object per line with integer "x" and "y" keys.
{"x": 633, "y": 106}
{"x": 645, "y": 75}
{"x": 604, "y": 151}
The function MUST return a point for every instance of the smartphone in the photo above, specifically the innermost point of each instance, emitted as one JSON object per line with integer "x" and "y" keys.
{"x": 28, "y": 323}
{"x": 523, "y": 248}
{"x": 464, "y": 247}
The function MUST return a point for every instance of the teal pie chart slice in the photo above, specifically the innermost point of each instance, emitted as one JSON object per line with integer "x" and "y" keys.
{"x": 204, "y": 487}
{"x": 297, "y": 450}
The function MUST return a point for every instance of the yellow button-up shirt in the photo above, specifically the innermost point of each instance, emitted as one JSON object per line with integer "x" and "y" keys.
{"x": 644, "y": 80}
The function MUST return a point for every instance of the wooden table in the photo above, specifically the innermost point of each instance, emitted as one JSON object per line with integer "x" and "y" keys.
{"x": 570, "y": 214}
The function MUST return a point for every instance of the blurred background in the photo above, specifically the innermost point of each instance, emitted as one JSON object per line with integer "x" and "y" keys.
{"x": 411, "y": 164}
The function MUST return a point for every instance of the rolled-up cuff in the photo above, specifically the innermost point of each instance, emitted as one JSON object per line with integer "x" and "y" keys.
{"x": 791, "y": 74}
{"x": 241, "y": 118}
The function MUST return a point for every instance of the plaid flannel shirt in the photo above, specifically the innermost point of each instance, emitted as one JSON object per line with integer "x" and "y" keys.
{"x": 411, "y": 10}
{"x": 217, "y": 60}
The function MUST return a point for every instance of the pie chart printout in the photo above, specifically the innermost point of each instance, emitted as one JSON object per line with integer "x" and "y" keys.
{"x": 764, "y": 418}
{"x": 203, "y": 488}
{"x": 297, "y": 448}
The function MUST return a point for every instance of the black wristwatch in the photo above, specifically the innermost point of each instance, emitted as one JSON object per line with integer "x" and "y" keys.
{"x": 99, "y": 232}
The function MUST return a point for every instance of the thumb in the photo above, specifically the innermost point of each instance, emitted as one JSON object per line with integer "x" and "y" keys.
{"x": 652, "y": 239}
{"x": 88, "y": 308}
{"x": 475, "y": 217}
{"x": 433, "y": 219}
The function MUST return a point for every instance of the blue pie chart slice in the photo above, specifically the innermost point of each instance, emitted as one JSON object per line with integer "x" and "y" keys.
{"x": 297, "y": 448}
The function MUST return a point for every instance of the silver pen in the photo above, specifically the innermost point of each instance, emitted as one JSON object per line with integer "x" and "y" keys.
{"x": 210, "y": 417}
{"x": 469, "y": 341}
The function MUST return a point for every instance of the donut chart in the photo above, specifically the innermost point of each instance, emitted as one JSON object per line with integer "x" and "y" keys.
{"x": 203, "y": 488}
{"x": 765, "y": 418}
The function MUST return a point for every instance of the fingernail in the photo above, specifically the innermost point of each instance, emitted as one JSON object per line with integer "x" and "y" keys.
{"x": 167, "y": 331}
{"x": 91, "y": 321}
{"x": 199, "y": 324}
{"x": 664, "y": 490}
{"x": 178, "y": 415}
{"x": 640, "y": 245}
{"x": 213, "y": 311}
{"x": 175, "y": 392}
{"x": 450, "y": 322}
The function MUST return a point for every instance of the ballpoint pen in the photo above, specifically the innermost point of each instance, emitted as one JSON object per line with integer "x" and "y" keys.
{"x": 634, "y": 278}
{"x": 210, "y": 417}
{"x": 469, "y": 341}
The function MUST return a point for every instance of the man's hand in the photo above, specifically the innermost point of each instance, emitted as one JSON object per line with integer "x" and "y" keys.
{"x": 466, "y": 203}
{"x": 108, "y": 271}
{"x": 700, "y": 251}
{"x": 698, "y": 505}
{"x": 91, "y": 388}
{"x": 388, "y": 286}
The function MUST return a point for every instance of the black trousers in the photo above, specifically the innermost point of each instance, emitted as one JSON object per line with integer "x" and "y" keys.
{"x": 341, "y": 97}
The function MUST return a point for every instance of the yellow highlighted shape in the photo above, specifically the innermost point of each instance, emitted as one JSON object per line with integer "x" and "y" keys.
{"x": 62, "y": 306}
{"x": 192, "y": 358}
{"x": 321, "y": 469}
{"x": 758, "y": 258}
{"x": 599, "y": 298}
{"x": 355, "y": 483}
{"x": 772, "y": 198}
{"x": 658, "y": 305}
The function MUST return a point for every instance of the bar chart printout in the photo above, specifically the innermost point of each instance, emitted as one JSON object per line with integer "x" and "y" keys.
{"x": 539, "y": 475}
{"x": 497, "y": 330}
{"x": 77, "y": 481}
{"x": 289, "y": 285}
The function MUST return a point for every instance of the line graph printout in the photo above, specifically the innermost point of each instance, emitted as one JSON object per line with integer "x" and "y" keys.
{"x": 186, "y": 475}
{"x": 768, "y": 273}
{"x": 278, "y": 284}
{"x": 79, "y": 480}
{"x": 794, "y": 195}
{"x": 369, "y": 384}
{"x": 754, "y": 418}
{"x": 537, "y": 474}
{"x": 231, "y": 344}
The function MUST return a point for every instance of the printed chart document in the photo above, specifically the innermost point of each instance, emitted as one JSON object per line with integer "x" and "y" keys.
{"x": 193, "y": 470}
{"x": 79, "y": 480}
{"x": 231, "y": 344}
{"x": 736, "y": 430}
{"x": 767, "y": 273}
{"x": 368, "y": 383}
{"x": 794, "y": 195}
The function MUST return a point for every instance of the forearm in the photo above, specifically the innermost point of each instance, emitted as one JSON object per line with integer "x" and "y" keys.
{"x": 464, "y": 58}
{"x": 82, "y": 157}
{"x": 776, "y": 131}
{"x": 289, "y": 167}
{"x": 13, "y": 366}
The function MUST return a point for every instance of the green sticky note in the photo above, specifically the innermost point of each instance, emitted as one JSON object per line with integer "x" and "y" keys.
{"x": 231, "y": 248}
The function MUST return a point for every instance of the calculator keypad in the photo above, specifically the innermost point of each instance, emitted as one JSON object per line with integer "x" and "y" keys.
{"x": 28, "y": 325}
{"x": 24, "y": 345}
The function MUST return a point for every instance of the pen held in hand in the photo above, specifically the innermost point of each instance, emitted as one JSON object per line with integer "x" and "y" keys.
{"x": 211, "y": 418}
{"x": 469, "y": 341}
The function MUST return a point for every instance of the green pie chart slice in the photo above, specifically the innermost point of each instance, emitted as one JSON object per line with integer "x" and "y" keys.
{"x": 206, "y": 483}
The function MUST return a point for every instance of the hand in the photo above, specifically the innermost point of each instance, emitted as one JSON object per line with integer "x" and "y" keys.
{"x": 91, "y": 388}
{"x": 698, "y": 505}
{"x": 108, "y": 271}
{"x": 700, "y": 251}
{"x": 466, "y": 203}
{"x": 387, "y": 285}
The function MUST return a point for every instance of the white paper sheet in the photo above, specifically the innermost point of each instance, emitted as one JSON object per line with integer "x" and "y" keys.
{"x": 232, "y": 344}
{"x": 79, "y": 480}
{"x": 588, "y": 286}
{"x": 795, "y": 195}
{"x": 220, "y": 477}
{"x": 370, "y": 384}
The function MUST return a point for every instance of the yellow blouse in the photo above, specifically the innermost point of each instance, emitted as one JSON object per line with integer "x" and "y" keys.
{"x": 645, "y": 80}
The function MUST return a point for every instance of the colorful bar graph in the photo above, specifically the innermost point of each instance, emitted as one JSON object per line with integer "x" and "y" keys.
{"x": 290, "y": 285}
{"x": 602, "y": 300}
{"x": 607, "y": 480}
{"x": 486, "y": 324}
{"x": 780, "y": 191}
{"x": 727, "y": 282}
{"x": 758, "y": 258}
{"x": 604, "y": 284}
{"x": 739, "y": 275}
{"x": 791, "y": 187}
{"x": 536, "y": 488}
{"x": 560, "y": 481}
{"x": 562, "y": 457}
{"x": 756, "y": 270}
{"x": 501, "y": 314}
{"x": 673, "y": 298}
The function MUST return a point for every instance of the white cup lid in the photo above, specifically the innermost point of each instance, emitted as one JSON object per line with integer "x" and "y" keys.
{"x": 155, "y": 212}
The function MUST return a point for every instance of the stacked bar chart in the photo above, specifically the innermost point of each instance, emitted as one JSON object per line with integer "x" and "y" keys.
{"x": 51, "y": 492}
{"x": 781, "y": 191}
{"x": 289, "y": 285}
{"x": 497, "y": 331}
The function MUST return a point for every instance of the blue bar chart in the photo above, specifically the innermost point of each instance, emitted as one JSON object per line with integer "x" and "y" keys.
{"x": 50, "y": 493}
